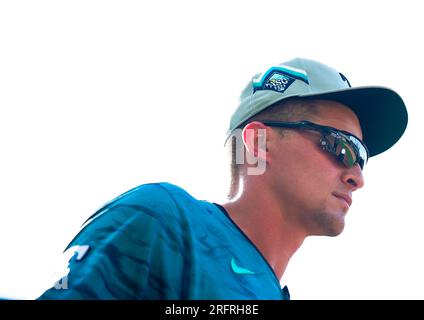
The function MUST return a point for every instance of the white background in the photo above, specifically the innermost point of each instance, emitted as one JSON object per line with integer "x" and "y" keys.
{"x": 97, "y": 97}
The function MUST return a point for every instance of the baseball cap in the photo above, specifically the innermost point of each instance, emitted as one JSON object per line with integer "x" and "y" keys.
{"x": 380, "y": 110}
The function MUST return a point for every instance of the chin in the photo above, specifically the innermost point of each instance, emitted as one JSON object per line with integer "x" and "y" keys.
{"x": 332, "y": 231}
{"x": 331, "y": 225}
{"x": 335, "y": 232}
{"x": 336, "y": 227}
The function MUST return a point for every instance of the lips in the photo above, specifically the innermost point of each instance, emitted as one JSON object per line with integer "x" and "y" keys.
{"x": 343, "y": 196}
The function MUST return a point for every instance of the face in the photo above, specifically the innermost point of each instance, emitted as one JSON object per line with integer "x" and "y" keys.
{"x": 314, "y": 188}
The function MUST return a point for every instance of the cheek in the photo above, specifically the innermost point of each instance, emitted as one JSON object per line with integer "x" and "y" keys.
{"x": 310, "y": 170}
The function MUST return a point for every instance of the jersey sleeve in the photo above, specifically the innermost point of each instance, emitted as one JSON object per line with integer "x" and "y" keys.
{"x": 129, "y": 251}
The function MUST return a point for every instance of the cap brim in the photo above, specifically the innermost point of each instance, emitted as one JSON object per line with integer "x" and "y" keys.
{"x": 381, "y": 112}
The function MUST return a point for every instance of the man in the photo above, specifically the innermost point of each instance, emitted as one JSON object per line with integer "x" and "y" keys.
{"x": 299, "y": 140}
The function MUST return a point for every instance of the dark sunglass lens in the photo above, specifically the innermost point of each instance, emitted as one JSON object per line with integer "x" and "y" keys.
{"x": 346, "y": 153}
{"x": 361, "y": 150}
{"x": 361, "y": 163}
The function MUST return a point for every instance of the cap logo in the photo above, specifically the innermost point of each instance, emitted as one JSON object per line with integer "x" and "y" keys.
{"x": 279, "y": 79}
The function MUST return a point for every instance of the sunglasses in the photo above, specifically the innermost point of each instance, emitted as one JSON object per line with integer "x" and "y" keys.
{"x": 348, "y": 148}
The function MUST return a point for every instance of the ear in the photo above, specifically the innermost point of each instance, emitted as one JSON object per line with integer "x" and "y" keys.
{"x": 255, "y": 139}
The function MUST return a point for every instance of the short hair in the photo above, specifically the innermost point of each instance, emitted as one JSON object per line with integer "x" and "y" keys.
{"x": 292, "y": 109}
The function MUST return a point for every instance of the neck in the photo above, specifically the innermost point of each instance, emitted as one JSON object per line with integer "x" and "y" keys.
{"x": 261, "y": 217}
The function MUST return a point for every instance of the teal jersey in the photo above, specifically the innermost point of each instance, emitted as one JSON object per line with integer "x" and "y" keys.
{"x": 158, "y": 242}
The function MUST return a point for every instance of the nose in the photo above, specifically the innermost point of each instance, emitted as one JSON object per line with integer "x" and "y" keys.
{"x": 353, "y": 177}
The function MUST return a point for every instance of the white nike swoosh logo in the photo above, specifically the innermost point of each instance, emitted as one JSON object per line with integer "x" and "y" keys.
{"x": 239, "y": 270}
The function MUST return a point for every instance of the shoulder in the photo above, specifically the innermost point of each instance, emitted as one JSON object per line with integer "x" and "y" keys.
{"x": 128, "y": 241}
{"x": 156, "y": 195}
{"x": 147, "y": 213}
{"x": 150, "y": 194}
{"x": 163, "y": 204}
{"x": 156, "y": 199}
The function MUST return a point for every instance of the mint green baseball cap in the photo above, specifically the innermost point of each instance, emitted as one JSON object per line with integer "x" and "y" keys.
{"x": 380, "y": 110}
